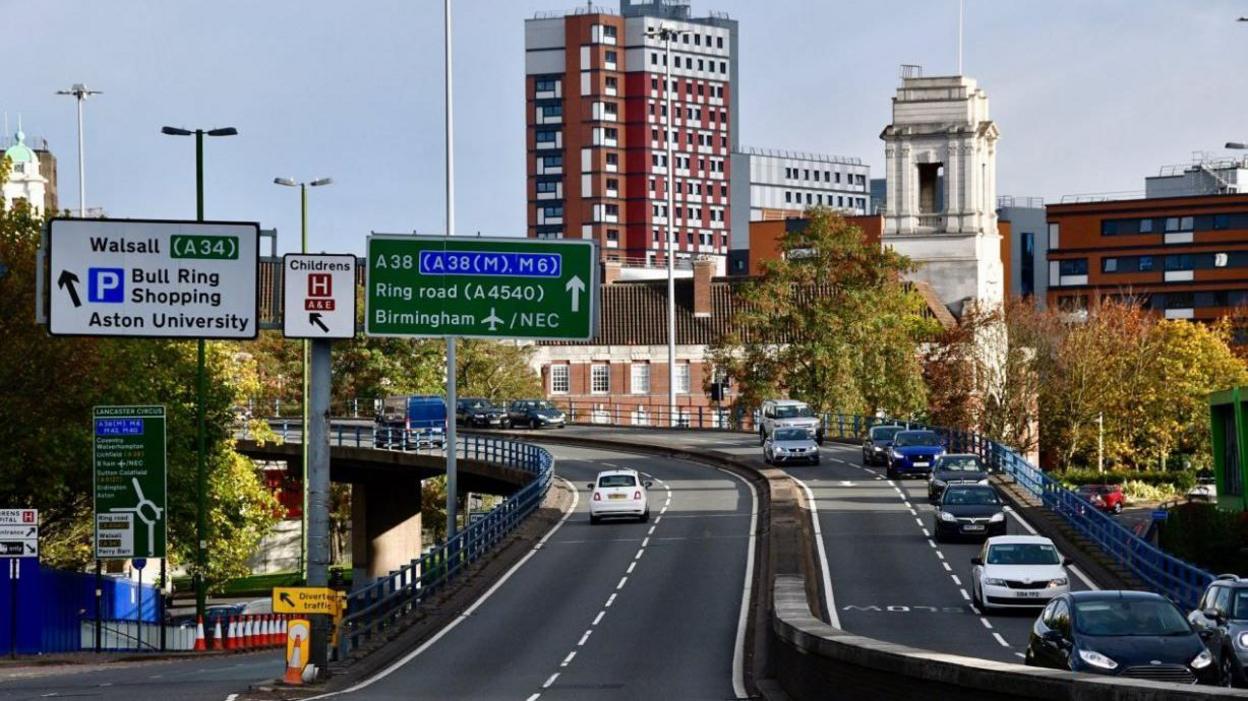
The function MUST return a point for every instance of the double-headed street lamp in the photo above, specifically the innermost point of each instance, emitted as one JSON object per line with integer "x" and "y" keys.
{"x": 667, "y": 35}
{"x": 81, "y": 93}
{"x": 201, "y": 474}
{"x": 303, "y": 481}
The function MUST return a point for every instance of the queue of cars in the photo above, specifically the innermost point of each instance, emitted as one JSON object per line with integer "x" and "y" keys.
{"x": 413, "y": 422}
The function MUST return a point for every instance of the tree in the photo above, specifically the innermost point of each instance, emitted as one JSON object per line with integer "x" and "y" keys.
{"x": 830, "y": 323}
{"x": 496, "y": 370}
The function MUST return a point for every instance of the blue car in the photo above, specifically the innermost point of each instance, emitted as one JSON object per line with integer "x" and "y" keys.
{"x": 913, "y": 453}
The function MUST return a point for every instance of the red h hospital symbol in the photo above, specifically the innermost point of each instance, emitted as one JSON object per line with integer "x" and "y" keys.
{"x": 320, "y": 285}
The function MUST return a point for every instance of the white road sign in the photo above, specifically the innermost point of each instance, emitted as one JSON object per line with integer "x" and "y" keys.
{"x": 319, "y": 295}
{"x": 153, "y": 278}
{"x": 19, "y": 517}
{"x": 19, "y": 533}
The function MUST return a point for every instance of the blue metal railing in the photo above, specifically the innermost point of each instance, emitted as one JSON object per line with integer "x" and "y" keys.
{"x": 377, "y": 607}
{"x": 1180, "y": 580}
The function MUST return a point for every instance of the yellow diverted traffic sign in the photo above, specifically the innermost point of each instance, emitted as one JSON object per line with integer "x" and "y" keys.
{"x": 307, "y": 600}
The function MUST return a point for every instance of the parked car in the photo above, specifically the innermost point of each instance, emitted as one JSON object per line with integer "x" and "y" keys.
{"x": 970, "y": 511}
{"x": 1221, "y": 621}
{"x": 1014, "y": 571}
{"x": 1133, "y": 634}
{"x": 790, "y": 445}
{"x": 411, "y": 422}
{"x": 535, "y": 413}
{"x": 480, "y": 413}
{"x": 877, "y": 443}
{"x": 788, "y": 413}
{"x": 1106, "y": 497}
{"x": 913, "y": 453}
{"x": 958, "y": 468}
{"x": 618, "y": 493}
{"x": 1206, "y": 488}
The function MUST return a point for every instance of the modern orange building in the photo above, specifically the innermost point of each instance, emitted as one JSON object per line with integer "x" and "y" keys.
{"x": 765, "y": 236}
{"x": 1184, "y": 257}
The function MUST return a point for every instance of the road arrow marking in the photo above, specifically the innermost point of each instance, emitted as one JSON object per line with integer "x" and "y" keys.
{"x": 576, "y": 286}
{"x": 67, "y": 280}
{"x": 286, "y": 599}
{"x": 494, "y": 321}
{"x": 315, "y": 318}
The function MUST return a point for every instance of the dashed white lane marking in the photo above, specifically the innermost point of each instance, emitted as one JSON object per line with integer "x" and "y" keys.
{"x": 598, "y": 618}
{"x": 946, "y": 566}
{"x": 986, "y": 623}
{"x": 640, "y": 551}
{"x": 631, "y": 565}
{"x": 651, "y": 531}
{"x": 918, "y": 521}
{"x": 1021, "y": 655}
{"x": 231, "y": 697}
{"x": 534, "y": 697}
{"x": 1000, "y": 639}
{"x": 568, "y": 659}
{"x": 940, "y": 554}
{"x": 825, "y": 571}
{"x": 623, "y": 581}
{"x": 933, "y": 544}
{"x": 585, "y": 637}
{"x": 956, "y": 580}
{"x": 550, "y": 681}
{"x": 645, "y": 541}
{"x": 927, "y": 533}
{"x": 610, "y": 600}
{"x": 964, "y": 594}
{"x": 658, "y": 518}
{"x": 747, "y": 590}
{"x": 401, "y": 662}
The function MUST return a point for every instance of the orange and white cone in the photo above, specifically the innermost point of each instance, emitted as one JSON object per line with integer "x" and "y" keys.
{"x": 267, "y": 627}
{"x": 281, "y": 633}
{"x": 294, "y": 667}
{"x": 249, "y": 634}
{"x": 199, "y": 635}
{"x": 218, "y": 640}
{"x": 231, "y": 632}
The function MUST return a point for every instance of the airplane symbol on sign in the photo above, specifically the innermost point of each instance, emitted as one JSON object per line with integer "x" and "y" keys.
{"x": 493, "y": 320}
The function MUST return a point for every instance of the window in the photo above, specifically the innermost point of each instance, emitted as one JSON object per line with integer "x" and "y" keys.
{"x": 613, "y": 234}
{"x": 723, "y": 67}
{"x": 548, "y": 186}
{"x": 559, "y": 379}
{"x": 719, "y": 42}
{"x": 1146, "y": 264}
{"x": 1179, "y": 262}
{"x": 610, "y": 56}
{"x": 547, "y": 136}
{"x": 1146, "y": 226}
{"x": 1027, "y": 264}
{"x": 613, "y": 184}
{"x": 552, "y": 161}
{"x": 611, "y": 84}
{"x": 639, "y": 383}
{"x": 788, "y": 197}
{"x": 682, "y": 378}
{"x": 1074, "y": 266}
{"x": 544, "y": 85}
{"x": 599, "y": 379}
{"x": 1109, "y": 265}
{"x": 553, "y": 212}
{"x": 1221, "y": 221}
{"x": 612, "y": 159}
{"x": 552, "y": 110}
{"x": 609, "y": 31}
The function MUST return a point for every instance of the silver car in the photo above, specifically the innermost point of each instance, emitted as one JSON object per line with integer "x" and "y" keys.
{"x": 790, "y": 445}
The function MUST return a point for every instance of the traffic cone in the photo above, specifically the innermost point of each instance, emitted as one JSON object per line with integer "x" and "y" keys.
{"x": 218, "y": 640}
{"x": 199, "y": 635}
{"x": 231, "y": 639}
{"x": 294, "y": 667}
{"x": 249, "y": 633}
{"x": 281, "y": 634}
{"x": 268, "y": 630}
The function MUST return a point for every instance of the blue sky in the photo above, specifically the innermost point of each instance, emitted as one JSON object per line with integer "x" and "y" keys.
{"x": 1090, "y": 96}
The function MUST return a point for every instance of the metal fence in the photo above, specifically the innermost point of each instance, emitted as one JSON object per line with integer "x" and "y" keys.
{"x": 377, "y": 607}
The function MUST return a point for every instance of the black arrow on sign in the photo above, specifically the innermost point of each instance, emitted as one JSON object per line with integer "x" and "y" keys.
{"x": 67, "y": 279}
{"x": 286, "y": 599}
{"x": 31, "y": 548}
{"x": 32, "y": 532}
{"x": 315, "y": 318}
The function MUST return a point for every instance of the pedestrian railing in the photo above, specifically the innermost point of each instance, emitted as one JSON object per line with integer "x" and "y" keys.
{"x": 378, "y": 607}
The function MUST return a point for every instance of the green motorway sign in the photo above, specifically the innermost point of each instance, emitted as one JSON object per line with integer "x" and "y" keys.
{"x": 481, "y": 287}
{"x": 129, "y": 481}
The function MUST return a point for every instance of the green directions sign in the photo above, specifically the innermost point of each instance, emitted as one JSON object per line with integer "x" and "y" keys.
{"x": 130, "y": 494}
{"x": 484, "y": 288}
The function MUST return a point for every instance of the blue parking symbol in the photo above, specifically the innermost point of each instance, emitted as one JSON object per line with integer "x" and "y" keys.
{"x": 106, "y": 285}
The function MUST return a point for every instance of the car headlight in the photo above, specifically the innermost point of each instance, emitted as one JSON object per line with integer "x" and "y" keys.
{"x": 1096, "y": 659}
{"x": 946, "y": 516}
{"x": 937, "y": 483}
{"x": 897, "y": 456}
{"x": 997, "y": 517}
{"x": 1059, "y": 582}
{"x": 1242, "y": 641}
{"x": 1204, "y": 659}
{"x": 878, "y": 448}
{"x": 994, "y": 582}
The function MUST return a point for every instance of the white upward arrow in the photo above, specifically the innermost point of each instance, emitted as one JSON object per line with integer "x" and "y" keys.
{"x": 576, "y": 287}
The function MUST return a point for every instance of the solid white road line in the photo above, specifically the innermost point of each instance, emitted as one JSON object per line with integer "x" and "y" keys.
{"x": 743, "y": 616}
{"x": 576, "y": 497}
{"x": 828, "y": 599}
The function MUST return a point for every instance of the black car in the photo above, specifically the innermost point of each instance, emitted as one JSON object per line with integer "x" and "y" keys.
{"x": 1133, "y": 634}
{"x": 958, "y": 468}
{"x": 1221, "y": 621}
{"x": 535, "y": 413}
{"x": 480, "y": 413}
{"x": 969, "y": 511}
{"x": 875, "y": 446}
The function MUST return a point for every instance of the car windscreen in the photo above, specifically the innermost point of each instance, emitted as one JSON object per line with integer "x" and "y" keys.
{"x": 617, "y": 481}
{"x": 970, "y": 497}
{"x": 792, "y": 412}
{"x": 884, "y": 433}
{"x": 1142, "y": 617}
{"x": 1239, "y": 606}
{"x": 792, "y": 434}
{"x": 908, "y": 438}
{"x": 543, "y": 405}
{"x": 966, "y": 463}
{"x": 1023, "y": 554}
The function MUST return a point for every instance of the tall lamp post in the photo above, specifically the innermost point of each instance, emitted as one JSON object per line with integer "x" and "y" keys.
{"x": 667, "y": 35}
{"x": 201, "y": 471}
{"x": 303, "y": 431}
{"x": 81, "y": 93}
{"x": 452, "y": 471}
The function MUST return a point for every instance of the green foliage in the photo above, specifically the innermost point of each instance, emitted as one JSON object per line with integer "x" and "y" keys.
{"x": 829, "y": 323}
{"x": 1212, "y": 539}
{"x": 1178, "y": 480}
{"x": 496, "y": 370}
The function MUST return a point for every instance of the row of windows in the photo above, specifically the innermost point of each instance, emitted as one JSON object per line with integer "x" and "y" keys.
{"x": 659, "y": 160}
{"x": 1168, "y": 225}
{"x": 817, "y": 198}
{"x": 694, "y": 113}
{"x": 692, "y": 138}
{"x": 1149, "y": 263}
{"x": 600, "y": 378}
{"x": 697, "y": 40}
{"x": 545, "y": 84}
{"x": 1161, "y": 301}
{"x": 717, "y": 89}
{"x": 706, "y": 239}
{"x": 657, "y": 59}
{"x": 694, "y": 188}
{"x": 827, "y": 175}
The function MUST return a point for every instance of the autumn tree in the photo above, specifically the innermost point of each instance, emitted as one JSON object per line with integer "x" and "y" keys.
{"x": 831, "y": 323}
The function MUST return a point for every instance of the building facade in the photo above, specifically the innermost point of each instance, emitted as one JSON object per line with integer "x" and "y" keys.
{"x": 1024, "y": 247}
{"x": 597, "y": 123}
{"x": 1184, "y": 257}
{"x": 32, "y": 175}
{"x": 1205, "y": 175}
{"x": 941, "y": 132}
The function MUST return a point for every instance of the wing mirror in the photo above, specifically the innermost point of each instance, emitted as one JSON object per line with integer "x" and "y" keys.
{"x": 1067, "y": 562}
{"x": 977, "y": 561}
{"x": 590, "y": 485}
{"x": 647, "y": 484}
{"x": 1213, "y": 615}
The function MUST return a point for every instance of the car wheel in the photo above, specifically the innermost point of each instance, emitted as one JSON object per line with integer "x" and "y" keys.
{"x": 1226, "y": 676}
{"x": 766, "y": 458}
{"x": 977, "y": 600}
{"x": 594, "y": 520}
{"x": 892, "y": 474}
{"x": 1118, "y": 508}
{"x": 762, "y": 436}
{"x": 505, "y": 424}
{"x": 815, "y": 461}
{"x": 646, "y": 516}
{"x": 535, "y": 424}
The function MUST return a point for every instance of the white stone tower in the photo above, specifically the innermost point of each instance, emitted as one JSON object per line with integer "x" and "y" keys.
{"x": 25, "y": 181}
{"x": 941, "y": 157}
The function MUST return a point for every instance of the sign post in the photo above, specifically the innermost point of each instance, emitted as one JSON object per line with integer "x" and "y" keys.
{"x": 129, "y": 482}
{"x": 19, "y": 538}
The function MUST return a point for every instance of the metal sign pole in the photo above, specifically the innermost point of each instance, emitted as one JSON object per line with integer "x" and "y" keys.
{"x": 320, "y": 380}
{"x": 15, "y": 573}
{"x": 451, "y": 398}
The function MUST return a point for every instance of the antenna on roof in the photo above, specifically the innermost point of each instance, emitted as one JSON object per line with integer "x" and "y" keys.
{"x": 961, "y": 18}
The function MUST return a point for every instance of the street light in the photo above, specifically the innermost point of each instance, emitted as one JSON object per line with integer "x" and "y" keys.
{"x": 201, "y": 474}
{"x": 303, "y": 432}
{"x": 81, "y": 93}
{"x": 1236, "y": 145}
{"x": 667, "y": 34}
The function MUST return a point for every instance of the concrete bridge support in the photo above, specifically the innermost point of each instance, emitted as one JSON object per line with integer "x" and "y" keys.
{"x": 385, "y": 526}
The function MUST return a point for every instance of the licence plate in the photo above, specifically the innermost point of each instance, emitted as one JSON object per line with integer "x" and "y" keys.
{"x": 921, "y": 464}
{"x": 1027, "y": 594}
{"x": 617, "y": 496}
{"x": 973, "y": 527}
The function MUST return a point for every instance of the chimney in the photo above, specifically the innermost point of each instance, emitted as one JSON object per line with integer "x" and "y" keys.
{"x": 611, "y": 271}
{"x": 703, "y": 271}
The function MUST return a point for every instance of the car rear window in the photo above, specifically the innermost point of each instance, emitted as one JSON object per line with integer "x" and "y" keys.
{"x": 970, "y": 497}
{"x": 966, "y": 463}
{"x": 884, "y": 433}
{"x": 617, "y": 481}
{"x": 792, "y": 412}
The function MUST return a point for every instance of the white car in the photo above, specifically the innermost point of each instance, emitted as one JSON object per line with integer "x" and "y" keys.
{"x": 1206, "y": 489}
{"x": 788, "y": 413}
{"x": 618, "y": 493}
{"x": 1018, "y": 571}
